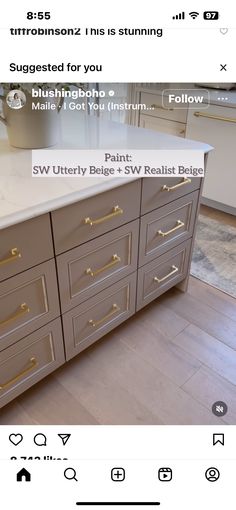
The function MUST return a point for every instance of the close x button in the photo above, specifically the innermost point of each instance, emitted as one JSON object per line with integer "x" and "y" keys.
{"x": 223, "y": 67}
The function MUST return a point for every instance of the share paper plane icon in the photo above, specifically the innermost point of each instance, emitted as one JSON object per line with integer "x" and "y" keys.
{"x": 64, "y": 438}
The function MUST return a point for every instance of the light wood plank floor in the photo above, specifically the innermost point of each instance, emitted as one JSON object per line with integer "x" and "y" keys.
{"x": 166, "y": 365}
{"x": 222, "y": 217}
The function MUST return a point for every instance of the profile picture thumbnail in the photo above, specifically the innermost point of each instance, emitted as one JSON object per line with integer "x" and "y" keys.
{"x": 16, "y": 99}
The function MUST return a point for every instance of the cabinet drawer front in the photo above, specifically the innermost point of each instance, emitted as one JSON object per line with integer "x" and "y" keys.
{"x": 85, "y": 220}
{"x": 158, "y": 191}
{"x": 90, "y": 321}
{"x": 29, "y": 360}
{"x": 94, "y": 266}
{"x": 27, "y": 302}
{"x": 25, "y": 245}
{"x": 162, "y": 273}
{"x": 166, "y": 227}
{"x": 154, "y": 102}
{"x": 165, "y": 126}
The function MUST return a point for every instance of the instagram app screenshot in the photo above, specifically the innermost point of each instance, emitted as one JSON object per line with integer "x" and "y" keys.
{"x": 117, "y": 256}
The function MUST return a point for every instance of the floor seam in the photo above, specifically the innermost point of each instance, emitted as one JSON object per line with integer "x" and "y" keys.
{"x": 210, "y": 306}
{"x": 189, "y": 378}
{"x": 201, "y": 403}
{"x": 155, "y": 368}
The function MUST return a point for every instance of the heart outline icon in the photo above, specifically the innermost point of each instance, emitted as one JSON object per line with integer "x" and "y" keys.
{"x": 223, "y": 31}
{"x": 15, "y": 439}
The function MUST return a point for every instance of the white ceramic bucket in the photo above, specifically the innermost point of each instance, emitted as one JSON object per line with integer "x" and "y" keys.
{"x": 32, "y": 129}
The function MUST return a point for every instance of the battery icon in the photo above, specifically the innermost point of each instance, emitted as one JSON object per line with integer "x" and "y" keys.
{"x": 211, "y": 15}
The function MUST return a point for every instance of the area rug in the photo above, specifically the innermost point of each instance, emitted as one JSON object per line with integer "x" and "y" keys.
{"x": 214, "y": 255}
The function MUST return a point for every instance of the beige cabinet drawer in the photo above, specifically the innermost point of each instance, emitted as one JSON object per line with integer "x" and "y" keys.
{"x": 162, "y": 273}
{"x": 25, "y": 245}
{"x": 90, "y": 321}
{"x": 156, "y": 108}
{"x": 158, "y": 191}
{"x": 163, "y": 125}
{"x": 164, "y": 228}
{"x": 29, "y": 360}
{"x": 90, "y": 268}
{"x": 27, "y": 302}
{"x": 85, "y": 220}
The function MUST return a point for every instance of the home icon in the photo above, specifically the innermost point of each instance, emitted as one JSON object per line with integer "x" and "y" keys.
{"x": 23, "y": 474}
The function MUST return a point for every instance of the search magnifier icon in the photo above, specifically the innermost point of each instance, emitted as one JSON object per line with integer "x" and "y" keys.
{"x": 70, "y": 474}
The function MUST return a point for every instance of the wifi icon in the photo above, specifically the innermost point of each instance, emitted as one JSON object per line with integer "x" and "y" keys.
{"x": 194, "y": 14}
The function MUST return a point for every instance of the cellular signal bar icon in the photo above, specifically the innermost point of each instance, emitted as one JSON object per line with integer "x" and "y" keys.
{"x": 181, "y": 15}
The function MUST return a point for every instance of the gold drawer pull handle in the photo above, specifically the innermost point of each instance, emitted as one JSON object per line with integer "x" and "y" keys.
{"x": 14, "y": 255}
{"x": 115, "y": 308}
{"x": 185, "y": 180}
{"x": 179, "y": 224}
{"x": 116, "y": 211}
{"x": 214, "y": 117}
{"x": 160, "y": 280}
{"x": 115, "y": 260}
{"x": 33, "y": 364}
{"x": 23, "y": 309}
{"x": 157, "y": 106}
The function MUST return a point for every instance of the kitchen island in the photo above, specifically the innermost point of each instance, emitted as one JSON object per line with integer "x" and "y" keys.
{"x": 80, "y": 256}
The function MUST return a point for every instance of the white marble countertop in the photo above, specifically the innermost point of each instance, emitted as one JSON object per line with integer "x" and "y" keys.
{"x": 23, "y": 197}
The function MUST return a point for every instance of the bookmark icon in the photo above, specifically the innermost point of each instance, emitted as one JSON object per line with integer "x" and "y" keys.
{"x": 218, "y": 439}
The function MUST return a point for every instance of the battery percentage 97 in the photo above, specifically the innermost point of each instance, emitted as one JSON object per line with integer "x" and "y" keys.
{"x": 211, "y": 15}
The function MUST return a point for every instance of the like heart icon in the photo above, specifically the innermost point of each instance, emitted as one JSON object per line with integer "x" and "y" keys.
{"x": 223, "y": 31}
{"x": 15, "y": 439}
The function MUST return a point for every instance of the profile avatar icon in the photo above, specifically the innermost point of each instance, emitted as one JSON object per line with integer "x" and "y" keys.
{"x": 16, "y": 99}
{"x": 212, "y": 474}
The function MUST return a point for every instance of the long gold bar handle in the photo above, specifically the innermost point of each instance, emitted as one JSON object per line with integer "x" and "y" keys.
{"x": 115, "y": 308}
{"x": 33, "y": 364}
{"x": 179, "y": 224}
{"x": 185, "y": 180}
{"x": 115, "y": 260}
{"x": 14, "y": 255}
{"x": 116, "y": 211}
{"x": 23, "y": 309}
{"x": 215, "y": 117}
{"x": 160, "y": 280}
{"x": 157, "y": 106}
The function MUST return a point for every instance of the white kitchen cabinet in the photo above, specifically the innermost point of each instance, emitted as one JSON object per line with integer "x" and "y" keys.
{"x": 165, "y": 126}
{"x": 156, "y": 117}
{"x": 217, "y": 126}
{"x": 166, "y": 120}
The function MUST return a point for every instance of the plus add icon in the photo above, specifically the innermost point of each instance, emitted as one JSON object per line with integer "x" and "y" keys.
{"x": 118, "y": 474}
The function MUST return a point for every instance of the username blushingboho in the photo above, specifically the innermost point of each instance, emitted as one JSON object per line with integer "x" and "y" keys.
{"x": 107, "y": 171}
